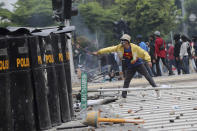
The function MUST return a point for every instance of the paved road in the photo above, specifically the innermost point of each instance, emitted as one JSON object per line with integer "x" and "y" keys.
{"x": 175, "y": 111}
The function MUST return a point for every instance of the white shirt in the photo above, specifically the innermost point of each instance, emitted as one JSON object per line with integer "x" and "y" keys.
{"x": 183, "y": 50}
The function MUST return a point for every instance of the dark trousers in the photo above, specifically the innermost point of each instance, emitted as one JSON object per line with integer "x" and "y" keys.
{"x": 148, "y": 69}
{"x": 130, "y": 73}
{"x": 178, "y": 66}
{"x": 185, "y": 64}
{"x": 171, "y": 63}
{"x": 153, "y": 67}
{"x": 158, "y": 67}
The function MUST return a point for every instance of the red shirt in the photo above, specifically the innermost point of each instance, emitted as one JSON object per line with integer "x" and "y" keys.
{"x": 128, "y": 55}
{"x": 171, "y": 53}
{"x": 158, "y": 43}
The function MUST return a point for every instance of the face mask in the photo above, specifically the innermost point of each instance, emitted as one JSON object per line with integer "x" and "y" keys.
{"x": 123, "y": 42}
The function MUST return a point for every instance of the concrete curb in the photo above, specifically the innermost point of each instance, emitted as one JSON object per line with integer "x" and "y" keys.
{"x": 141, "y": 81}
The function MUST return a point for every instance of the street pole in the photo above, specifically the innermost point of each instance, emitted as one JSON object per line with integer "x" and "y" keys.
{"x": 96, "y": 43}
{"x": 74, "y": 78}
{"x": 185, "y": 27}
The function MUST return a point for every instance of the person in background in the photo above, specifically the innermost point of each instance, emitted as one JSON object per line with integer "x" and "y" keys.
{"x": 133, "y": 56}
{"x": 184, "y": 58}
{"x": 144, "y": 46}
{"x": 152, "y": 53}
{"x": 171, "y": 55}
{"x": 160, "y": 53}
{"x": 177, "y": 47}
{"x": 194, "y": 39}
{"x": 76, "y": 55}
{"x": 119, "y": 63}
{"x": 190, "y": 51}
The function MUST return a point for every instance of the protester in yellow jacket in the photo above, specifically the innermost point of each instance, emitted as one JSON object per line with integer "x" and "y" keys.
{"x": 132, "y": 55}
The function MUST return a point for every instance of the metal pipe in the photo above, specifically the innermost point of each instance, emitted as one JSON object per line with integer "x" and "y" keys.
{"x": 142, "y": 89}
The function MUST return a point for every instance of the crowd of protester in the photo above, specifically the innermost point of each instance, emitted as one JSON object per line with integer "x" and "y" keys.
{"x": 179, "y": 55}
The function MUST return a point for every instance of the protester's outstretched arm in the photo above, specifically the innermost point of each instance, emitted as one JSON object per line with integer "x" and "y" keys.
{"x": 95, "y": 53}
{"x": 105, "y": 50}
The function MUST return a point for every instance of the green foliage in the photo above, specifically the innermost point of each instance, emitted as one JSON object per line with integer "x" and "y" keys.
{"x": 190, "y": 6}
{"x": 33, "y": 13}
{"x": 143, "y": 16}
{"x": 99, "y": 19}
{"x": 95, "y": 16}
{"x": 5, "y": 16}
{"x": 83, "y": 41}
{"x": 148, "y": 16}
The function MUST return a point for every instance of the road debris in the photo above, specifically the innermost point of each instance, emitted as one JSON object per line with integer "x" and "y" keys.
{"x": 172, "y": 113}
{"x": 195, "y": 108}
{"x": 171, "y": 121}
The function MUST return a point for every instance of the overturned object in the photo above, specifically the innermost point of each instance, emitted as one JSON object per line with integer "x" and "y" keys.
{"x": 93, "y": 118}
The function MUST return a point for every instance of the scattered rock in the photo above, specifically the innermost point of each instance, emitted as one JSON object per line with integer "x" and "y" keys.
{"x": 195, "y": 108}
{"x": 177, "y": 117}
{"x": 171, "y": 121}
{"x": 138, "y": 110}
{"x": 130, "y": 111}
{"x": 137, "y": 118}
{"x": 176, "y": 107}
{"x": 143, "y": 95}
{"x": 181, "y": 114}
{"x": 172, "y": 113}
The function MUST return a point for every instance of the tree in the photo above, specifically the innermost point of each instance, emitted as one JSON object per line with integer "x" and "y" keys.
{"x": 148, "y": 16}
{"x": 99, "y": 20}
{"x": 5, "y": 16}
{"x": 33, "y": 13}
{"x": 143, "y": 16}
{"x": 190, "y": 6}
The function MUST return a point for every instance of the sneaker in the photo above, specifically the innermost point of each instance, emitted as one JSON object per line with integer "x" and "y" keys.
{"x": 158, "y": 94}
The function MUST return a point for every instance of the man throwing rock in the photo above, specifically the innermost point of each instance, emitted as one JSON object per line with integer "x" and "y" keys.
{"x": 133, "y": 56}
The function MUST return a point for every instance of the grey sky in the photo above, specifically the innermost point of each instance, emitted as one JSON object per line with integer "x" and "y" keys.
{"x": 8, "y": 4}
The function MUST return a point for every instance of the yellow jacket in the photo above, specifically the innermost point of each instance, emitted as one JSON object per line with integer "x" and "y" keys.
{"x": 137, "y": 52}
